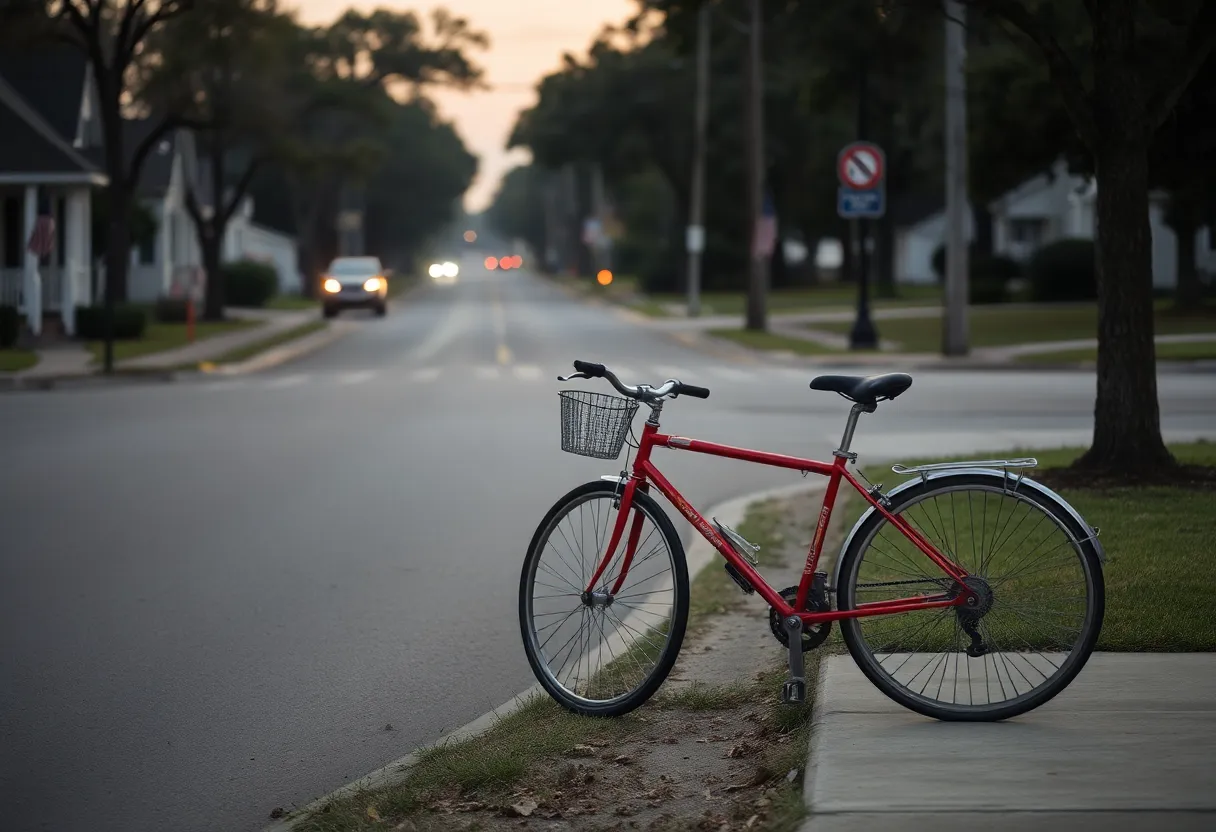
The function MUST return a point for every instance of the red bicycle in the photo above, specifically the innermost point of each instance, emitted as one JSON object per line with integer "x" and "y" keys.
{"x": 945, "y": 616}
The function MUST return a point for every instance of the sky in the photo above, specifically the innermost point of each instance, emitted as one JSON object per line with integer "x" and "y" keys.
{"x": 527, "y": 39}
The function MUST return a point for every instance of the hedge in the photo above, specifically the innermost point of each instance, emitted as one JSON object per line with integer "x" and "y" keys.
{"x": 249, "y": 283}
{"x": 1064, "y": 270}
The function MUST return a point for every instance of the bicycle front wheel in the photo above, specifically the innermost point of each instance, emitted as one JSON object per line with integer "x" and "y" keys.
{"x": 603, "y": 654}
{"x": 1039, "y": 584}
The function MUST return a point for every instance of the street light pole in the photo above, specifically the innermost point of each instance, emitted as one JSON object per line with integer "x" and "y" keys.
{"x": 695, "y": 235}
{"x": 863, "y": 336}
{"x": 954, "y": 333}
{"x": 757, "y": 285}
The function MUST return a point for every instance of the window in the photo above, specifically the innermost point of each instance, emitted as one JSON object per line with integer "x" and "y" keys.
{"x": 147, "y": 249}
{"x": 1028, "y": 231}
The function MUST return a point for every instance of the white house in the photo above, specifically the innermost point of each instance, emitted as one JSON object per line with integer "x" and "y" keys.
{"x": 246, "y": 240}
{"x": 1041, "y": 210}
{"x": 48, "y": 123}
{"x": 920, "y": 227}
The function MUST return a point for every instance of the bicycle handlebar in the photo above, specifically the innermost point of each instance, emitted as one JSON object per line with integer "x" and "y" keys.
{"x": 643, "y": 392}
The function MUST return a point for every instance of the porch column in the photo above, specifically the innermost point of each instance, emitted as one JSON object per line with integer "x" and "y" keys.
{"x": 31, "y": 284}
{"x": 76, "y": 256}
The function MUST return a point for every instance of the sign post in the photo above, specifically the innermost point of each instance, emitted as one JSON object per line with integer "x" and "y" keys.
{"x": 861, "y": 168}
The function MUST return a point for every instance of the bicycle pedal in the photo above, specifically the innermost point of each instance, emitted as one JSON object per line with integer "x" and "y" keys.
{"x": 793, "y": 692}
{"x": 740, "y": 581}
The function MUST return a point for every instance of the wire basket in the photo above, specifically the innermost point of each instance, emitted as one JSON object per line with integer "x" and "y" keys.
{"x": 595, "y": 424}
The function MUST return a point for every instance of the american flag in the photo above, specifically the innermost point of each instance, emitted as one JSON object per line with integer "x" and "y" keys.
{"x": 764, "y": 237}
{"x": 43, "y": 238}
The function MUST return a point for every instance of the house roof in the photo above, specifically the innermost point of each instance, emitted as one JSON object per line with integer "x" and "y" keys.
{"x": 156, "y": 174}
{"x": 51, "y": 80}
{"x": 31, "y": 147}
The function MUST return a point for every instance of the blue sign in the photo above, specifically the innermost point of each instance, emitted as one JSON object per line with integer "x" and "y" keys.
{"x": 855, "y": 204}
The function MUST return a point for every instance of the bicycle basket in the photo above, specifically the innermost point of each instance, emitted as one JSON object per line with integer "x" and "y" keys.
{"x": 595, "y": 424}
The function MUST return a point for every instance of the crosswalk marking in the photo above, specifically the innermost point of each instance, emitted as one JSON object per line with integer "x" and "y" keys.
{"x": 532, "y": 374}
{"x": 357, "y": 378}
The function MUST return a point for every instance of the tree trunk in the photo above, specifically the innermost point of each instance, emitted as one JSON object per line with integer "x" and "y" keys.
{"x": 210, "y": 241}
{"x": 118, "y": 245}
{"x": 1187, "y": 290}
{"x": 1127, "y": 420}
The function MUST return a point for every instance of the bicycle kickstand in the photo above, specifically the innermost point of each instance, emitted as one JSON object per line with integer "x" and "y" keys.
{"x": 793, "y": 692}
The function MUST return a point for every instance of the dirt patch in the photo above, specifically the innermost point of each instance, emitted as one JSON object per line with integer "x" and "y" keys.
{"x": 714, "y": 750}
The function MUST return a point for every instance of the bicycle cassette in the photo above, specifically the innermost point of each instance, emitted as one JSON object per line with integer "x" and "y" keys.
{"x": 811, "y": 638}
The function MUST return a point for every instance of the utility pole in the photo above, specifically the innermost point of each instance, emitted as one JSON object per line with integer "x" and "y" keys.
{"x": 757, "y": 283}
{"x": 863, "y": 336}
{"x": 954, "y": 332}
{"x": 695, "y": 235}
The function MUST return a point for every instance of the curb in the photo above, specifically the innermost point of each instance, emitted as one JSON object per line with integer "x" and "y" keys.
{"x": 289, "y": 351}
{"x": 698, "y": 554}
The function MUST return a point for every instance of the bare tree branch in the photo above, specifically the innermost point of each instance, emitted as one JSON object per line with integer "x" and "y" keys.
{"x": 242, "y": 185}
{"x": 1199, "y": 45}
{"x": 1063, "y": 70}
{"x": 149, "y": 141}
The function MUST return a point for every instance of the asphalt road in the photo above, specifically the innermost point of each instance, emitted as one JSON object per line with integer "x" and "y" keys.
{"x": 216, "y": 595}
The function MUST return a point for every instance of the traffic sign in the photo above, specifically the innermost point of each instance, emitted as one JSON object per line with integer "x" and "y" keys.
{"x": 857, "y": 204}
{"x": 861, "y": 166}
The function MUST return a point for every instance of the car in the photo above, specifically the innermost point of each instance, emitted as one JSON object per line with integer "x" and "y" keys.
{"x": 354, "y": 283}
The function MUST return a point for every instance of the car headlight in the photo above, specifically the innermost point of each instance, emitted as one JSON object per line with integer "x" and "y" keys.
{"x": 436, "y": 270}
{"x": 332, "y": 286}
{"x": 373, "y": 285}
{"x": 450, "y": 269}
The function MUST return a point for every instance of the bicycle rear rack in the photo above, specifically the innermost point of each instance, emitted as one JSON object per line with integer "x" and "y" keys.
{"x": 934, "y": 467}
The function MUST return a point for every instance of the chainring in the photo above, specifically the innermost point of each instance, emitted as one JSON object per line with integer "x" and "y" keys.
{"x": 810, "y": 638}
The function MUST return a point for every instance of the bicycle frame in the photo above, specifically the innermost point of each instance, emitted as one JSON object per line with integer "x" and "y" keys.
{"x": 644, "y": 473}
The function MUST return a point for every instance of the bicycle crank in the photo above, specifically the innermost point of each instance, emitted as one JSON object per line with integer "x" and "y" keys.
{"x": 816, "y": 602}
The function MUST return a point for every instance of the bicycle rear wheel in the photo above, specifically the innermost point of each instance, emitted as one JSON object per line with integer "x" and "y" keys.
{"x": 1039, "y": 581}
{"x": 602, "y": 655}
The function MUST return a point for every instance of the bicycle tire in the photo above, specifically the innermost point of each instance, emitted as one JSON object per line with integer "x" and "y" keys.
{"x": 671, "y": 650}
{"x": 1082, "y": 650}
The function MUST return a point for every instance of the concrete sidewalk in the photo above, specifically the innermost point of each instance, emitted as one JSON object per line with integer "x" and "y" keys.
{"x": 1129, "y": 745}
{"x": 274, "y": 322}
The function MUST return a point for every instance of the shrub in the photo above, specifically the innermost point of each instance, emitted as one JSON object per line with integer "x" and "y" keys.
{"x": 10, "y": 326}
{"x": 249, "y": 283}
{"x": 991, "y": 278}
{"x": 129, "y": 322}
{"x": 1063, "y": 270}
{"x": 170, "y": 310}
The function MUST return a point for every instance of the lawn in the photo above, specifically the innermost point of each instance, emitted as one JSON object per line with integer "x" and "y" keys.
{"x": 159, "y": 337}
{"x": 831, "y": 296}
{"x": 1193, "y": 351}
{"x": 292, "y": 303}
{"x": 995, "y": 326}
{"x": 1160, "y": 574}
{"x": 771, "y": 341}
{"x": 14, "y": 360}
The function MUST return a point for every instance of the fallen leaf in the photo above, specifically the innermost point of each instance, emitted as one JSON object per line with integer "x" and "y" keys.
{"x": 277, "y": 812}
{"x": 751, "y": 821}
{"x": 792, "y": 776}
{"x": 522, "y": 809}
{"x": 623, "y": 759}
{"x": 372, "y": 813}
{"x": 388, "y": 727}
{"x": 582, "y": 751}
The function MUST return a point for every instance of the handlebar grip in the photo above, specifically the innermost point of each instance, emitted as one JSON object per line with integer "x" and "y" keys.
{"x": 693, "y": 390}
{"x": 593, "y": 370}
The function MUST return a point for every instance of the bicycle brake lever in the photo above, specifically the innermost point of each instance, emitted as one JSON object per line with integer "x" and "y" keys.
{"x": 572, "y": 376}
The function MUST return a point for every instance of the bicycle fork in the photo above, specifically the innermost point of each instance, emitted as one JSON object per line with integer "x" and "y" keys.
{"x": 625, "y": 508}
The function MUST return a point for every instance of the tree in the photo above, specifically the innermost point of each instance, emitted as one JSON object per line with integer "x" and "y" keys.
{"x": 1143, "y": 57}
{"x": 347, "y": 71}
{"x": 112, "y": 34}
{"x": 518, "y": 208}
{"x": 226, "y": 66}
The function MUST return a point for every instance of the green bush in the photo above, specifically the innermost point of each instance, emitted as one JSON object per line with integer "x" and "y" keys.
{"x": 249, "y": 283}
{"x": 129, "y": 322}
{"x": 990, "y": 278}
{"x": 1063, "y": 270}
{"x": 10, "y": 326}
{"x": 170, "y": 311}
